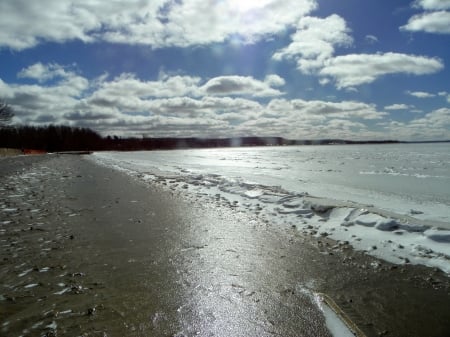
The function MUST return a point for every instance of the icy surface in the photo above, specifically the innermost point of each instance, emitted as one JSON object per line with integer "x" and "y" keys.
{"x": 391, "y": 201}
{"x": 334, "y": 324}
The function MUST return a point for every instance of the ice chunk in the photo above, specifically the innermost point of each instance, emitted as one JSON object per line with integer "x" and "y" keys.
{"x": 438, "y": 235}
{"x": 368, "y": 220}
{"x": 414, "y": 227}
{"x": 341, "y": 213}
{"x": 252, "y": 194}
{"x": 320, "y": 208}
{"x": 387, "y": 225}
{"x": 299, "y": 211}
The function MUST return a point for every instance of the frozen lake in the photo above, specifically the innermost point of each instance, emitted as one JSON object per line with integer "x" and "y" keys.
{"x": 403, "y": 190}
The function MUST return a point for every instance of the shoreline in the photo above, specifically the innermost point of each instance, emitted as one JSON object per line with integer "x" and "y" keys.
{"x": 398, "y": 233}
{"x": 118, "y": 256}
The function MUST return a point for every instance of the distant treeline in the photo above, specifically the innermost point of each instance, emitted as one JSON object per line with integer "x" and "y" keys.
{"x": 54, "y": 138}
{"x": 134, "y": 144}
{"x": 50, "y": 138}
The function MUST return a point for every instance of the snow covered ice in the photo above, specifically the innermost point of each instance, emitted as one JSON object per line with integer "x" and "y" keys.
{"x": 391, "y": 201}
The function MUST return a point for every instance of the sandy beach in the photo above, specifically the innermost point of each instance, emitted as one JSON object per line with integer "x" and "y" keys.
{"x": 89, "y": 251}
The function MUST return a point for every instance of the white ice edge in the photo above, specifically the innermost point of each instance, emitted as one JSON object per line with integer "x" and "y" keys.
{"x": 395, "y": 238}
{"x": 333, "y": 322}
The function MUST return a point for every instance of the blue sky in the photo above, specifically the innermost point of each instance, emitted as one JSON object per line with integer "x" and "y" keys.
{"x": 306, "y": 69}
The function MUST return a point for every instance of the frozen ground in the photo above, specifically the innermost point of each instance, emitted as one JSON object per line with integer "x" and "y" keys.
{"x": 392, "y": 201}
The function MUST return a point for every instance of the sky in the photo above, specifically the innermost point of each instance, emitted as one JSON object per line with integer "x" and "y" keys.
{"x": 303, "y": 69}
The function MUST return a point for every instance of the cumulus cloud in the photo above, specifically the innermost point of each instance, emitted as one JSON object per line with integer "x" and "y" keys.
{"x": 344, "y": 109}
{"x": 274, "y": 80}
{"x": 174, "y": 105}
{"x": 356, "y": 69}
{"x": 435, "y": 20}
{"x": 166, "y": 86}
{"x": 313, "y": 47}
{"x": 109, "y": 92}
{"x": 158, "y": 23}
{"x": 438, "y": 118}
{"x": 420, "y": 94}
{"x": 243, "y": 85}
{"x": 397, "y": 107}
{"x": 432, "y": 4}
{"x": 434, "y": 125}
{"x": 430, "y": 22}
{"x": 44, "y": 72}
{"x": 314, "y": 42}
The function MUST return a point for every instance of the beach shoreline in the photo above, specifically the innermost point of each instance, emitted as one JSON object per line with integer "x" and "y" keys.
{"x": 89, "y": 251}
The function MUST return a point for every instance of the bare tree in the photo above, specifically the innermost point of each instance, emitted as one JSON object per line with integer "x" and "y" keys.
{"x": 6, "y": 113}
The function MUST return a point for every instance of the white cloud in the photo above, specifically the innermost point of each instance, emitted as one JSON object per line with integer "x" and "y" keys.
{"x": 274, "y": 80}
{"x": 44, "y": 72}
{"x": 445, "y": 94}
{"x": 31, "y": 103}
{"x": 397, "y": 107}
{"x": 179, "y": 106}
{"x": 345, "y": 124}
{"x": 241, "y": 85}
{"x": 158, "y": 23}
{"x": 420, "y": 94}
{"x": 314, "y": 42}
{"x": 439, "y": 118}
{"x": 434, "y": 125}
{"x": 344, "y": 109}
{"x": 182, "y": 106}
{"x": 166, "y": 86}
{"x": 313, "y": 46}
{"x": 356, "y": 69}
{"x": 49, "y": 20}
{"x": 371, "y": 39}
{"x": 430, "y": 22}
{"x": 432, "y": 4}
{"x": 109, "y": 92}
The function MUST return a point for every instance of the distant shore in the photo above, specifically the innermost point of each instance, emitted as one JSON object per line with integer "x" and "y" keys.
{"x": 60, "y": 138}
{"x": 88, "y": 250}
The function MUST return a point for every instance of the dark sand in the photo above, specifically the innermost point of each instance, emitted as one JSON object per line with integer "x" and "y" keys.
{"x": 88, "y": 251}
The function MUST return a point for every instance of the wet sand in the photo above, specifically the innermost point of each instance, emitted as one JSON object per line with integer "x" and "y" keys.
{"x": 88, "y": 251}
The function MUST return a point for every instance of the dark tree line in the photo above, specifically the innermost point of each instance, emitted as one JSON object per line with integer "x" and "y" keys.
{"x": 50, "y": 138}
{"x": 54, "y": 138}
